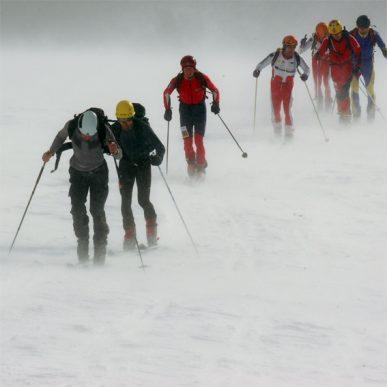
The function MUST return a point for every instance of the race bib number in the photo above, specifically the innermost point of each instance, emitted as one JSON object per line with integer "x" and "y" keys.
{"x": 184, "y": 132}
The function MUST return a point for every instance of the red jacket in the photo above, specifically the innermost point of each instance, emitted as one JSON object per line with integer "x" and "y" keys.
{"x": 340, "y": 51}
{"x": 191, "y": 91}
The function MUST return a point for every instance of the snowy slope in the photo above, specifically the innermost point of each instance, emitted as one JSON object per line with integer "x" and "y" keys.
{"x": 289, "y": 288}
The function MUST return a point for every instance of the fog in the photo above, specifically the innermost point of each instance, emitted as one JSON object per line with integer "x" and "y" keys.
{"x": 289, "y": 287}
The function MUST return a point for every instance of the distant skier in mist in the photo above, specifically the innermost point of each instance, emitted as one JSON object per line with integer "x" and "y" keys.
{"x": 90, "y": 136}
{"x": 284, "y": 62}
{"x": 367, "y": 39}
{"x": 141, "y": 148}
{"x": 191, "y": 85}
{"x": 343, "y": 51}
{"x": 320, "y": 65}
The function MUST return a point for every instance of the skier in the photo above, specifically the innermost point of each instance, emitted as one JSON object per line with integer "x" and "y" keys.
{"x": 89, "y": 135}
{"x": 141, "y": 148}
{"x": 191, "y": 86}
{"x": 343, "y": 51}
{"x": 320, "y": 66}
{"x": 284, "y": 62}
{"x": 367, "y": 38}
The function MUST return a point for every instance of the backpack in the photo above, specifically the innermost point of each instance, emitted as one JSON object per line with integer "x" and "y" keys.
{"x": 371, "y": 34}
{"x": 275, "y": 57}
{"x": 101, "y": 128}
{"x": 140, "y": 112}
{"x": 198, "y": 75}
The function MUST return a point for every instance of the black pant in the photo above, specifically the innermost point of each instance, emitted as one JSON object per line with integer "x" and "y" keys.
{"x": 143, "y": 176}
{"x": 80, "y": 183}
{"x": 193, "y": 116}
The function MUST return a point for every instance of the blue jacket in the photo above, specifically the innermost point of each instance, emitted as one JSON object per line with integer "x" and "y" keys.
{"x": 367, "y": 44}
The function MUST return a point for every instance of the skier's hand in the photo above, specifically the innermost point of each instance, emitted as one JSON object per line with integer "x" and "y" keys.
{"x": 215, "y": 108}
{"x": 256, "y": 73}
{"x": 47, "y": 156}
{"x": 356, "y": 71}
{"x": 384, "y": 51}
{"x": 168, "y": 115}
{"x": 155, "y": 160}
{"x": 304, "y": 77}
{"x": 303, "y": 42}
{"x": 113, "y": 148}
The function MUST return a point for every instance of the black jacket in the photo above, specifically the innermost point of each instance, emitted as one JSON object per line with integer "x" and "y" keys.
{"x": 137, "y": 143}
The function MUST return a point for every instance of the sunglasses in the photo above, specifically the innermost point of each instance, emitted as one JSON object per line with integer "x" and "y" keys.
{"x": 124, "y": 120}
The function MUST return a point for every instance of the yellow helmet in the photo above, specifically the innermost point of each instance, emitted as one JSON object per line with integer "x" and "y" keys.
{"x": 335, "y": 27}
{"x": 125, "y": 109}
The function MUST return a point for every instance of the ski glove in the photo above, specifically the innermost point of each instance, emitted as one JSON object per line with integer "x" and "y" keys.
{"x": 303, "y": 42}
{"x": 356, "y": 72}
{"x": 256, "y": 73}
{"x": 215, "y": 108}
{"x": 155, "y": 160}
{"x": 113, "y": 148}
{"x": 168, "y": 115}
{"x": 304, "y": 77}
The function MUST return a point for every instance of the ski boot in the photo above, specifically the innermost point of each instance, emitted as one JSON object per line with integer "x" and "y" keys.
{"x": 344, "y": 119}
{"x": 83, "y": 250}
{"x": 289, "y": 132}
{"x": 130, "y": 239}
{"x": 371, "y": 113}
{"x": 201, "y": 170}
{"x": 277, "y": 126}
{"x": 191, "y": 168}
{"x": 99, "y": 253}
{"x": 151, "y": 232}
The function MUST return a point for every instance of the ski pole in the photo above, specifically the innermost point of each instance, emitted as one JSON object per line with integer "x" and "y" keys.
{"x": 255, "y": 100}
{"x": 244, "y": 154}
{"x": 178, "y": 211}
{"x": 28, "y": 204}
{"x": 135, "y": 238}
{"x": 166, "y": 160}
{"x": 366, "y": 93}
{"x": 315, "y": 110}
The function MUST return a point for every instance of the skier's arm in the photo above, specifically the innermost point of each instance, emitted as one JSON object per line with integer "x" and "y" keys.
{"x": 111, "y": 142}
{"x": 60, "y": 138}
{"x": 213, "y": 88}
{"x": 167, "y": 93}
{"x": 304, "y": 66}
{"x": 380, "y": 43}
{"x": 261, "y": 65}
{"x": 155, "y": 145}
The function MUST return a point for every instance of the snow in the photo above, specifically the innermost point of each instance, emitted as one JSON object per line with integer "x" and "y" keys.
{"x": 289, "y": 287}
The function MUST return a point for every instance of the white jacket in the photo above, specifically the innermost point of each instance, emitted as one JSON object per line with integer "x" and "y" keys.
{"x": 283, "y": 67}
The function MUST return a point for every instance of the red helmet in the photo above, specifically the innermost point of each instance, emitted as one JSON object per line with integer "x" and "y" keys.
{"x": 289, "y": 40}
{"x": 322, "y": 30}
{"x": 188, "y": 61}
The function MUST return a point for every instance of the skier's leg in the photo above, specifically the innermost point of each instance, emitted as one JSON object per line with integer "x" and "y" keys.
{"x": 127, "y": 177}
{"x": 287, "y": 102}
{"x": 144, "y": 182}
{"x": 99, "y": 190}
{"x": 79, "y": 187}
{"x": 319, "y": 94}
{"x": 200, "y": 128}
{"x": 355, "y": 100}
{"x": 325, "y": 70}
{"x": 276, "y": 100}
{"x": 186, "y": 126}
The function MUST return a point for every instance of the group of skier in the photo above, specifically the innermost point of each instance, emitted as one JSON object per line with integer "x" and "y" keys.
{"x": 345, "y": 56}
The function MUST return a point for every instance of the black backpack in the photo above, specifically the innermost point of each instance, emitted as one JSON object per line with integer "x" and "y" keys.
{"x": 101, "y": 128}
{"x": 276, "y": 54}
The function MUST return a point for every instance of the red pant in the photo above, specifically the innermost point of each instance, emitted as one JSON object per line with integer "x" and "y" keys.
{"x": 342, "y": 76}
{"x": 320, "y": 70}
{"x": 200, "y": 151}
{"x": 281, "y": 92}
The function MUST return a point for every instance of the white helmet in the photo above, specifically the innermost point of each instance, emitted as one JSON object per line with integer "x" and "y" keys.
{"x": 88, "y": 123}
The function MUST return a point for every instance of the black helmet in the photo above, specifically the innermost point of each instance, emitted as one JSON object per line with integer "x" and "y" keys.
{"x": 363, "y": 21}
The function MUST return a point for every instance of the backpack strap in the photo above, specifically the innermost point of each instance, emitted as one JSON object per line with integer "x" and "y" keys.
{"x": 179, "y": 80}
{"x": 275, "y": 57}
